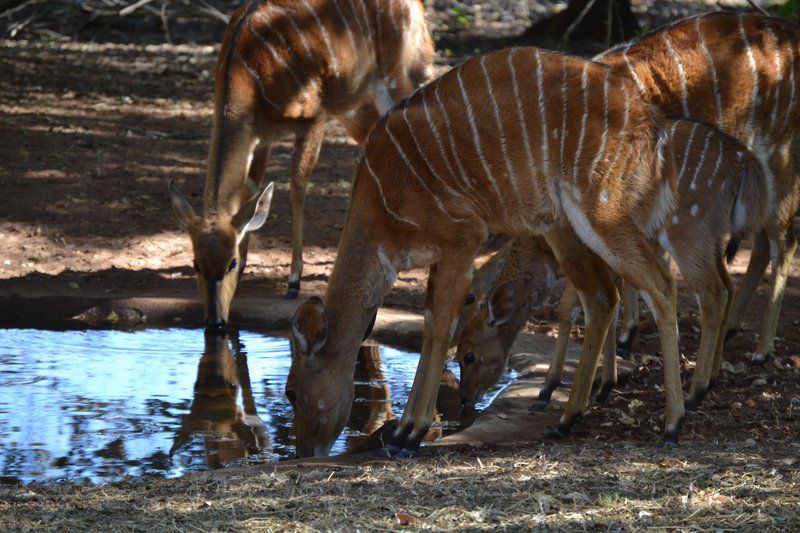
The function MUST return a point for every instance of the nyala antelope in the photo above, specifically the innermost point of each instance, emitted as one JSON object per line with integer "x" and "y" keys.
{"x": 740, "y": 73}
{"x": 566, "y": 149}
{"x": 491, "y": 325}
{"x": 289, "y": 65}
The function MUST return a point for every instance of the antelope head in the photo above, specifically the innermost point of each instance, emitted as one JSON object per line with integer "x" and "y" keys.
{"x": 482, "y": 348}
{"x": 219, "y": 244}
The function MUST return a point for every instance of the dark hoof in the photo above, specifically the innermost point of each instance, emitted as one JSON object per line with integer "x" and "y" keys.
{"x": 562, "y": 430}
{"x": 404, "y": 454}
{"x": 556, "y": 434}
{"x": 604, "y": 393}
{"x": 624, "y": 347}
{"x": 405, "y": 442}
{"x": 671, "y": 437}
{"x": 543, "y": 400}
{"x": 540, "y": 405}
{"x": 731, "y": 333}
{"x": 760, "y": 359}
{"x": 694, "y": 400}
{"x": 293, "y": 292}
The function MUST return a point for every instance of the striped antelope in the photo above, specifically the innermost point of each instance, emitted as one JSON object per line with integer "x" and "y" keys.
{"x": 573, "y": 153}
{"x": 739, "y": 72}
{"x": 484, "y": 345}
{"x": 289, "y": 65}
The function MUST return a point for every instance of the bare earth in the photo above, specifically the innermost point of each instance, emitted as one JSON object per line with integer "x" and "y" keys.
{"x": 90, "y": 134}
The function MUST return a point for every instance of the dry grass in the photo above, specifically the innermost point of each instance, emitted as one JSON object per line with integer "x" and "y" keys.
{"x": 594, "y": 485}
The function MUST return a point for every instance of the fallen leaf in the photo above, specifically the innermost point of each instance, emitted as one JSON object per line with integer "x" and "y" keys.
{"x": 405, "y": 519}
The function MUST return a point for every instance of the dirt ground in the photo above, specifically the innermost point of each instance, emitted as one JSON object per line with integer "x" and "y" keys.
{"x": 90, "y": 135}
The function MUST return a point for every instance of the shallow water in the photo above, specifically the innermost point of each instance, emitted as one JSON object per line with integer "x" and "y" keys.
{"x": 100, "y": 405}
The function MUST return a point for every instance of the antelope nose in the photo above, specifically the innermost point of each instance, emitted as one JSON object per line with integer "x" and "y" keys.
{"x": 215, "y": 327}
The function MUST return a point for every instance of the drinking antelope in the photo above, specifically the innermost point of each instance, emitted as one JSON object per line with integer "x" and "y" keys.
{"x": 573, "y": 153}
{"x": 484, "y": 344}
{"x": 739, "y": 72}
{"x": 289, "y": 65}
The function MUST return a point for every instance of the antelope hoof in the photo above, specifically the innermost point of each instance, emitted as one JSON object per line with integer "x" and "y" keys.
{"x": 694, "y": 400}
{"x": 543, "y": 400}
{"x": 293, "y": 292}
{"x": 604, "y": 393}
{"x": 405, "y": 442}
{"x": 624, "y": 347}
{"x": 760, "y": 359}
{"x": 731, "y": 333}
{"x": 563, "y": 428}
{"x": 671, "y": 436}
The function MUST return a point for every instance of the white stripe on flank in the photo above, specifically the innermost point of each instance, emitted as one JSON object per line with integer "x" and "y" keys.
{"x": 779, "y": 70}
{"x": 713, "y": 70}
{"x": 349, "y": 30}
{"x": 713, "y": 175}
{"x": 257, "y": 78}
{"x": 585, "y": 87}
{"x": 621, "y": 134}
{"x": 394, "y": 18}
{"x": 523, "y": 123}
{"x": 361, "y": 30}
{"x": 365, "y": 15}
{"x": 383, "y": 198}
{"x": 413, "y": 170}
{"x": 602, "y": 149}
{"x": 512, "y": 177}
{"x": 476, "y": 137}
{"x": 543, "y": 112}
{"x": 693, "y": 184}
{"x": 450, "y": 139}
{"x": 563, "y": 106}
{"x": 278, "y": 59}
{"x": 686, "y": 153}
{"x": 790, "y": 107}
{"x": 754, "y": 68}
{"x": 437, "y": 137}
{"x": 424, "y": 156}
{"x": 681, "y": 75}
{"x": 639, "y": 83}
{"x": 325, "y": 37}
{"x": 302, "y": 36}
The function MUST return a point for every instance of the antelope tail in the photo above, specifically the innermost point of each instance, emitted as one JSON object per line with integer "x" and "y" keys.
{"x": 750, "y": 206}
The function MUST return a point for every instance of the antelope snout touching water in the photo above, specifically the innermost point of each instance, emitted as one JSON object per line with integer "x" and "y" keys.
{"x": 289, "y": 66}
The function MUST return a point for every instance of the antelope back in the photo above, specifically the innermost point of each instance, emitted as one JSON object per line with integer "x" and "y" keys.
{"x": 566, "y": 127}
{"x": 734, "y": 70}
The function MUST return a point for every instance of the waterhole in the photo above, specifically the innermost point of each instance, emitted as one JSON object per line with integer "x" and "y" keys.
{"x": 100, "y": 405}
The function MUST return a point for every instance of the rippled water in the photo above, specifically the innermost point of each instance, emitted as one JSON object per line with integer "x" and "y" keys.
{"x": 99, "y": 405}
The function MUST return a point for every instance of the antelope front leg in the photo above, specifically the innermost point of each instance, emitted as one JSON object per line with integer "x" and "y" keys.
{"x": 713, "y": 296}
{"x": 759, "y": 260}
{"x": 451, "y": 280}
{"x": 630, "y": 320}
{"x": 729, "y": 286}
{"x": 306, "y": 152}
{"x": 598, "y": 294}
{"x": 609, "y": 380}
{"x": 555, "y": 372}
{"x": 785, "y": 248}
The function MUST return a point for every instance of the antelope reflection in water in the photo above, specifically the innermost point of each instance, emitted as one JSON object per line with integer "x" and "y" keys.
{"x": 231, "y": 431}
{"x": 375, "y": 407}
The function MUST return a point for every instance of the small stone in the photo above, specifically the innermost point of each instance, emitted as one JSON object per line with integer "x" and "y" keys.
{"x": 74, "y": 285}
{"x": 645, "y": 516}
{"x": 633, "y": 404}
{"x": 760, "y": 382}
{"x": 750, "y": 443}
{"x": 727, "y": 367}
{"x": 740, "y": 368}
{"x": 736, "y": 405}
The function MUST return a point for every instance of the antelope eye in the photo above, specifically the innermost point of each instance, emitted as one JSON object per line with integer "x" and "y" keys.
{"x": 232, "y": 266}
{"x": 470, "y": 299}
{"x": 469, "y": 358}
{"x": 195, "y": 266}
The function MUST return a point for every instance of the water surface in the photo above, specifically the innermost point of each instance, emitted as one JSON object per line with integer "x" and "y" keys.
{"x": 100, "y": 405}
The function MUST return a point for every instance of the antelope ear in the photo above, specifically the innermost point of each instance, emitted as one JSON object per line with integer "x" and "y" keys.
{"x": 253, "y": 213}
{"x": 180, "y": 205}
{"x": 310, "y": 326}
{"x": 371, "y": 325}
{"x": 501, "y": 304}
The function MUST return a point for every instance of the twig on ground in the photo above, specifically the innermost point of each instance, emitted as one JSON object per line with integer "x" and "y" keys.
{"x": 758, "y": 8}
{"x": 133, "y": 7}
{"x": 575, "y": 23}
